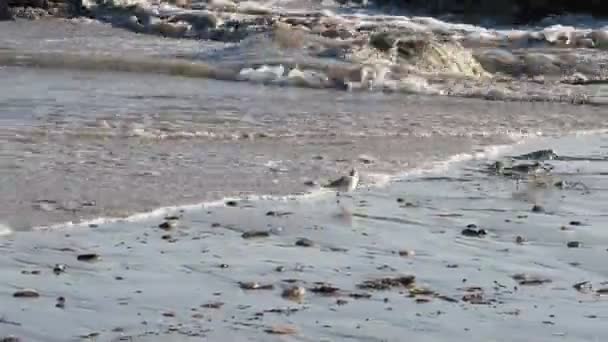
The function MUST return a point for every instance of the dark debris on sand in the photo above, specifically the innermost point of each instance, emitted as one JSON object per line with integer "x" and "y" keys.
{"x": 388, "y": 283}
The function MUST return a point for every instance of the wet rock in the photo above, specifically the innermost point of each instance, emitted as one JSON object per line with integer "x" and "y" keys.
{"x": 472, "y": 231}
{"x": 574, "y": 244}
{"x": 26, "y": 293}
{"x": 89, "y": 257}
{"x": 281, "y": 330}
{"x": 584, "y": 286}
{"x": 167, "y": 225}
{"x": 252, "y": 285}
{"x": 360, "y": 295}
{"x": 278, "y": 213}
{"x": 538, "y": 209}
{"x": 324, "y": 289}
{"x": 255, "y": 234}
{"x": 280, "y": 269}
{"x": 231, "y": 203}
{"x": 602, "y": 292}
{"x": 388, "y": 283}
{"x": 294, "y": 293}
{"x": 600, "y": 39}
{"x": 304, "y": 242}
{"x": 520, "y": 240}
{"x": 576, "y": 223}
{"x": 60, "y": 303}
{"x": 5, "y": 13}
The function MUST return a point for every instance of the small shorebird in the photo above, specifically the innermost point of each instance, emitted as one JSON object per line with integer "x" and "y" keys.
{"x": 345, "y": 183}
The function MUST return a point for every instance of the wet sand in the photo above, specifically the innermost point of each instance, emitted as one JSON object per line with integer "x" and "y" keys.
{"x": 192, "y": 280}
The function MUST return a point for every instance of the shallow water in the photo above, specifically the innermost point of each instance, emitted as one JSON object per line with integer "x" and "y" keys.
{"x": 358, "y": 240}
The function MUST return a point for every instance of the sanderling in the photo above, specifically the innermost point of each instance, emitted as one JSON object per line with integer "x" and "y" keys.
{"x": 345, "y": 183}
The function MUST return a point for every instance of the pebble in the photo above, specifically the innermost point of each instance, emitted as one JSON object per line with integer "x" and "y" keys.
{"x": 304, "y": 242}
{"x": 473, "y": 232}
{"x": 280, "y": 268}
{"x": 574, "y": 244}
{"x": 170, "y": 224}
{"x": 255, "y": 234}
{"x": 538, "y": 209}
{"x": 60, "y": 303}
{"x": 231, "y": 203}
{"x": 520, "y": 239}
{"x": 26, "y": 293}
{"x": 576, "y": 223}
{"x": 88, "y": 257}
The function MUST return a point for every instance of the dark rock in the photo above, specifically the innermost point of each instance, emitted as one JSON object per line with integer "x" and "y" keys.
{"x": 280, "y": 268}
{"x": 26, "y": 293}
{"x": 574, "y": 244}
{"x": 88, "y": 257}
{"x": 473, "y": 232}
{"x": 304, "y": 242}
{"x": 167, "y": 225}
{"x": 520, "y": 239}
{"x": 538, "y": 209}
{"x": 60, "y": 303}
{"x": 232, "y": 203}
{"x": 324, "y": 289}
{"x": 5, "y": 13}
{"x": 255, "y": 234}
{"x": 576, "y": 223}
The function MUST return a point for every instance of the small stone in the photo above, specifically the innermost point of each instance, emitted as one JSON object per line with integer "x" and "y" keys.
{"x": 231, "y": 203}
{"x": 280, "y": 268}
{"x": 574, "y": 244}
{"x": 473, "y": 232}
{"x": 252, "y": 285}
{"x": 520, "y": 240}
{"x": 538, "y": 209}
{"x": 166, "y": 237}
{"x": 406, "y": 253}
{"x": 576, "y": 223}
{"x": 212, "y": 305}
{"x": 26, "y": 293}
{"x": 88, "y": 257}
{"x": 304, "y": 242}
{"x": 169, "y": 314}
{"x": 168, "y": 225}
{"x": 294, "y": 293}
{"x": 224, "y": 266}
{"x": 60, "y": 303}
{"x": 400, "y": 200}
{"x": 255, "y": 234}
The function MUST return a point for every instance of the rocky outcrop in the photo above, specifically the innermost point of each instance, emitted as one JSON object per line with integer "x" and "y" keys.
{"x": 520, "y": 10}
{"x": 5, "y": 13}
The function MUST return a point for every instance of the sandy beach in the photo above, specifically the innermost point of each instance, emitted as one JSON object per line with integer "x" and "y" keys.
{"x": 161, "y": 172}
{"x": 224, "y": 271}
